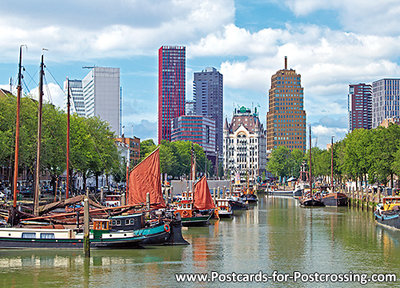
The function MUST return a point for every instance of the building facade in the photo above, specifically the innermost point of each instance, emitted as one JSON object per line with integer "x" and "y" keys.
{"x": 134, "y": 148}
{"x": 197, "y": 129}
{"x": 385, "y": 100}
{"x": 77, "y": 101}
{"x": 171, "y": 87}
{"x": 286, "y": 118}
{"x": 244, "y": 147}
{"x": 101, "y": 92}
{"x": 189, "y": 108}
{"x": 360, "y": 106}
{"x": 208, "y": 96}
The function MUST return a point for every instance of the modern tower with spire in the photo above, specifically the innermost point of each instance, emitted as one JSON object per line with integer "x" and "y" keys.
{"x": 286, "y": 118}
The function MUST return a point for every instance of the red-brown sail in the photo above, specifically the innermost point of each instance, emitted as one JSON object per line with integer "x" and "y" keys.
{"x": 202, "y": 195}
{"x": 145, "y": 178}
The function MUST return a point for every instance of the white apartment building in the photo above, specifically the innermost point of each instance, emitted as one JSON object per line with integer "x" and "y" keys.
{"x": 101, "y": 91}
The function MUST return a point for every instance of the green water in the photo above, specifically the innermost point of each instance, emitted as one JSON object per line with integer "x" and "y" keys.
{"x": 275, "y": 235}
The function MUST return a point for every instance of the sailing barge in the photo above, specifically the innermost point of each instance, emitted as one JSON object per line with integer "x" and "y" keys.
{"x": 101, "y": 236}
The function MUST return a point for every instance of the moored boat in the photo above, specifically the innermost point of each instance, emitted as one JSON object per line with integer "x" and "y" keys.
{"x": 62, "y": 238}
{"x": 249, "y": 198}
{"x": 309, "y": 198}
{"x": 224, "y": 209}
{"x": 190, "y": 216}
{"x": 387, "y": 213}
{"x": 335, "y": 199}
{"x": 299, "y": 189}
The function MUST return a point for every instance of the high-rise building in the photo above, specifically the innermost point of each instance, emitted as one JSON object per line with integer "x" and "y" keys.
{"x": 197, "y": 129}
{"x": 286, "y": 118}
{"x": 77, "y": 101}
{"x": 245, "y": 145}
{"x": 171, "y": 88}
{"x": 189, "y": 108}
{"x": 385, "y": 100}
{"x": 101, "y": 88}
{"x": 208, "y": 96}
{"x": 360, "y": 106}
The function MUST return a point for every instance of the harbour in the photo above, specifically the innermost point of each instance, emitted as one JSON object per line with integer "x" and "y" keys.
{"x": 275, "y": 235}
{"x": 200, "y": 144}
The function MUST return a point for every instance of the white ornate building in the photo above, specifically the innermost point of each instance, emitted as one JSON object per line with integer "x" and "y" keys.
{"x": 245, "y": 144}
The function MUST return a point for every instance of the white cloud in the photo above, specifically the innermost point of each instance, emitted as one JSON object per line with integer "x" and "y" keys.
{"x": 52, "y": 93}
{"x": 171, "y": 22}
{"x": 363, "y": 16}
{"x": 328, "y": 61}
{"x": 322, "y": 134}
{"x": 326, "y": 131}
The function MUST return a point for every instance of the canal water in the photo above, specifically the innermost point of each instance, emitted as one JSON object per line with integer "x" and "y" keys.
{"x": 276, "y": 235}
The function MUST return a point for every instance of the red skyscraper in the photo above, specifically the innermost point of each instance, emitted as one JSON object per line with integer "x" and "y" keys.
{"x": 171, "y": 88}
{"x": 360, "y": 106}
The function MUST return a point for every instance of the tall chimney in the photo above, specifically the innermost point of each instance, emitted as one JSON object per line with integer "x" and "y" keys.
{"x": 285, "y": 62}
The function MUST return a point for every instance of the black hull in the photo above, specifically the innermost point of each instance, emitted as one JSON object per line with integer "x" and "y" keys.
{"x": 225, "y": 216}
{"x": 173, "y": 237}
{"x": 201, "y": 223}
{"x": 249, "y": 198}
{"x": 236, "y": 205}
{"x": 335, "y": 201}
{"x": 391, "y": 221}
{"x": 311, "y": 203}
{"x": 66, "y": 244}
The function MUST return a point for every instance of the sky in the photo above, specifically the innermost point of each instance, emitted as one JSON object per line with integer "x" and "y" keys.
{"x": 330, "y": 43}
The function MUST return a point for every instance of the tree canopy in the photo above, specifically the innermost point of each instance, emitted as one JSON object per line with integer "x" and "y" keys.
{"x": 92, "y": 147}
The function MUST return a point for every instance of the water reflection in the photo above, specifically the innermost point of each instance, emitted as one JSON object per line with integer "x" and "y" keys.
{"x": 275, "y": 235}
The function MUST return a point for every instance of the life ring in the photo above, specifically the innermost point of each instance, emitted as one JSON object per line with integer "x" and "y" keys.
{"x": 166, "y": 228}
{"x": 185, "y": 213}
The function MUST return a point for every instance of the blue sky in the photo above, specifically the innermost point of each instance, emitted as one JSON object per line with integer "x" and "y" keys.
{"x": 331, "y": 44}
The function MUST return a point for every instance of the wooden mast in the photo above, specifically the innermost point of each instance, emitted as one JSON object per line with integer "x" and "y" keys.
{"x": 127, "y": 170}
{"x": 332, "y": 164}
{"x": 39, "y": 138}
{"x": 193, "y": 168}
{"x": 68, "y": 130}
{"x": 311, "y": 190}
{"x": 15, "y": 180}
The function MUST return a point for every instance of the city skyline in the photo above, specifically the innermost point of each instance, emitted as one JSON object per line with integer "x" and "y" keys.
{"x": 332, "y": 44}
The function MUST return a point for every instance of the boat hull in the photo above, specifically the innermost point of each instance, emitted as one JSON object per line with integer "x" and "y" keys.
{"x": 391, "y": 221}
{"x": 335, "y": 199}
{"x": 196, "y": 221}
{"x": 68, "y": 243}
{"x": 171, "y": 237}
{"x": 225, "y": 215}
{"x": 159, "y": 234}
{"x": 238, "y": 205}
{"x": 311, "y": 203}
{"x": 249, "y": 198}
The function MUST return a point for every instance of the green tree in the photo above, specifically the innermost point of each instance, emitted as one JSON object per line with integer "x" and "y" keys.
{"x": 146, "y": 147}
{"x": 279, "y": 163}
{"x": 296, "y": 159}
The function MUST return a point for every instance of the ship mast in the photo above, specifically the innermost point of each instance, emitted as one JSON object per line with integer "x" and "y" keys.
{"x": 68, "y": 130}
{"x": 39, "y": 139}
{"x": 332, "y": 164}
{"x": 311, "y": 190}
{"x": 15, "y": 180}
{"x": 128, "y": 160}
{"x": 193, "y": 168}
